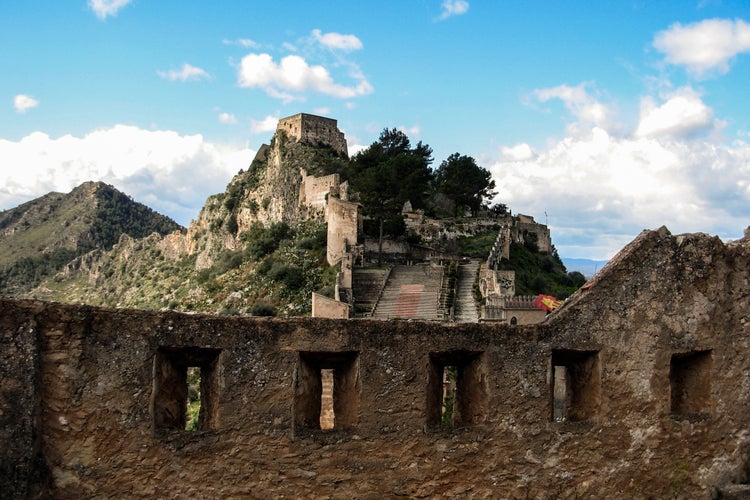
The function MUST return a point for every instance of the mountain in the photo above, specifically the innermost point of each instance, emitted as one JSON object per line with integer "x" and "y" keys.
{"x": 254, "y": 249}
{"x": 587, "y": 267}
{"x": 38, "y": 238}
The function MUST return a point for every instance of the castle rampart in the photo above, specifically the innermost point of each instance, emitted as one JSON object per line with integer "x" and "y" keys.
{"x": 636, "y": 387}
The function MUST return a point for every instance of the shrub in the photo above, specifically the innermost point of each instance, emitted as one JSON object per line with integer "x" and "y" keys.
{"x": 262, "y": 309}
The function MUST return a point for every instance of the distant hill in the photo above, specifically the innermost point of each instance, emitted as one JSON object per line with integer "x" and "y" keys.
{"x": 587, "y": 267}
{"x": 38, "y": 238}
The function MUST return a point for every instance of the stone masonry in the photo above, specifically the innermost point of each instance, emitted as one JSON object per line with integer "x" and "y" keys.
{"x": 638, "y": 387}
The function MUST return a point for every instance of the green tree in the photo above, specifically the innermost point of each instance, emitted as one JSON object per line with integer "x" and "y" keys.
{"x": 466, "y": 183}
{"x": 387, "y": 174}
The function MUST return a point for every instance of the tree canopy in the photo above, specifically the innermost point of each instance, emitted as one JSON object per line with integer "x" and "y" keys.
{"x": 463, "y": 181}
{"x": 388, "y": 173}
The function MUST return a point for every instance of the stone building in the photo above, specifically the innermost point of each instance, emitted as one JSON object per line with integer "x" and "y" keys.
{"x": 638, "y": 387}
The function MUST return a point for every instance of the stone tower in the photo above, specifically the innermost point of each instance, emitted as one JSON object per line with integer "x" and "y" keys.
{"x": 315, "y": 130}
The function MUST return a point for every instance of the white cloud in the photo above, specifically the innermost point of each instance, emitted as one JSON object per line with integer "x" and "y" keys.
{"x": 105, "y": 8}
{"x": 601, "y": 188}
{"x": 578, "y": 101}
{"x": 172, "y": 173}
{"x": 227, "y": 118}
{"x": 294, "y": 76}
{"x": 682, "y": 115}
{"x": 322, "y": 111}
{"x": 23, "y": 103}
{"x": 267, "y": 124}
{"x": 519, "y": 152}
{"x": 242, "y": 42}
{"x": 413, "y": 131}
{"x": 452, "y": 8}
{"x": 184, "y": 74}
{"x": 705, "y": 46}
{"x": 333, "y": 40}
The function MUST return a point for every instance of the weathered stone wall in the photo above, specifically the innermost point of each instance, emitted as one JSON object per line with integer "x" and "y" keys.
{"x": 323, "y": 307}
{"x": 342, "y": 218}
{"x": 314, "y": 190}
{"x": 638, "y": 386}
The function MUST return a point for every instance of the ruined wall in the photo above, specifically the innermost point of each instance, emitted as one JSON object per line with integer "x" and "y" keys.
{"x": 314, "y": 190}
{"x": 342, "y": 218}
{"x": 315, "y": 130}
{"x": 323, "y": 307}
{"x": 637, "y": 387}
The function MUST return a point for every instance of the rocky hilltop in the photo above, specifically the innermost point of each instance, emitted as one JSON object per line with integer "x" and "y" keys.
{"x": 253, "y": 248}
{"x": 38, "y": 238}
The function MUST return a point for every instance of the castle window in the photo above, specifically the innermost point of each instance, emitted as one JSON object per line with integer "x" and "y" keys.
{"x": 326, "y": 392}
{"x": 576, "y": 385}
{"x": 513, "y": 320}
{"x": 456, "y": 392}
{"x": 186, "y": 388}
{"x": 690, "y": 383}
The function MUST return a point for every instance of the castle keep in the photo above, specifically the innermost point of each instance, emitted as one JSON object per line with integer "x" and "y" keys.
{"x": 315, "y": 130}
{"x": 637, "y": 387}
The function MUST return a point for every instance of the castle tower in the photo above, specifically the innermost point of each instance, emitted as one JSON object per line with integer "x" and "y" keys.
{"x": 316, "y": 130}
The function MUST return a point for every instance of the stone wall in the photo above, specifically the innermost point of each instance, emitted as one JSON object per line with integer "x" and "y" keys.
{"x": 638, "y": 387}
{"x": 342, "y": 218}
{"x": 314, "y": 190}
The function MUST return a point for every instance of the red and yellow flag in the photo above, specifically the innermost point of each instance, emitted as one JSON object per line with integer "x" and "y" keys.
{"x": 547, "y": 303}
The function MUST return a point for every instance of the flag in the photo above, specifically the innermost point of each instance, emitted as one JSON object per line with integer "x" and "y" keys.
{"x": 547, "y": 303}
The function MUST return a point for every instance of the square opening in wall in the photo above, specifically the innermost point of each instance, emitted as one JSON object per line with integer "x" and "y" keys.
{"x": 576, "y": 385}
{"x": 326, "y": 394}
{"x": 186, "y": 388}
{"x": 690, "y": 383}
{"x": 456, "y": 389}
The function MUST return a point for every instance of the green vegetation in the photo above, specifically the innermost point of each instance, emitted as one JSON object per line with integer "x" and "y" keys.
{"x": 540, "y": 273}
{"x": 464, "y": 182}
{"x": 117, "y": 213}
{"x": 194, "y": 398}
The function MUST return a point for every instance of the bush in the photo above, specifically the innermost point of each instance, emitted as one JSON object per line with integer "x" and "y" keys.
{"x": 262, "y": 309}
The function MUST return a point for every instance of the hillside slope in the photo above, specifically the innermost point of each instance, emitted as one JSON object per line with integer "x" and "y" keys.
{"x": 38, "y": 238}
{"x": 253, "y": 249}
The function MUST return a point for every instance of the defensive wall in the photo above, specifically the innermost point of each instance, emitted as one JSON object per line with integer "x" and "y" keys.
{"x": 639, "y": 387}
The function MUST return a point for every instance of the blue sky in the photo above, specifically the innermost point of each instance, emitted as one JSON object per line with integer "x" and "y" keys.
{"x": 603, "y": 118}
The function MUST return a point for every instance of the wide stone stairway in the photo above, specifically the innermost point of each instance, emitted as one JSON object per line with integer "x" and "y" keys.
{"x": 411, "y": 292}
{"x": 465, "y": 305}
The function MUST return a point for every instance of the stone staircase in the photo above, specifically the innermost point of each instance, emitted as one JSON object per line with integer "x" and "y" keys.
{"x": 465, "y": 305}
{"x": 411, "y": 292}
{"x": 366, "y": 286}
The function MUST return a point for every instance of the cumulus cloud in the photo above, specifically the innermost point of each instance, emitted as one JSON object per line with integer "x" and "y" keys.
{"x": 705, "y": 46}
{"x": 172, "y": 173}
{"x": 227, "y": 118}
{"x": 346, "y": 43}
{"x": 519, "y": 152}
{"x": 184, "y": 74}
{"x": 267, "y": 124}
{"x": 601, "y": 188}
{"x": 22, "y": 103}
{"x": 451, "y": 8}
{"x": 105, "y": 8}
{"x": 584, "y": 107}
{"x": 293, "y": 76}
{"x": 682, "y": 115}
